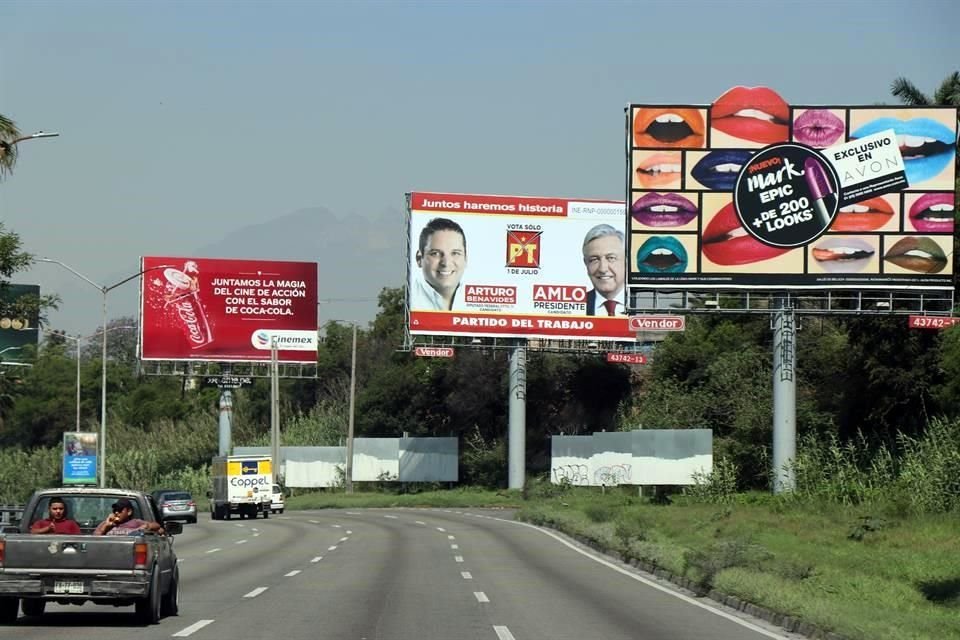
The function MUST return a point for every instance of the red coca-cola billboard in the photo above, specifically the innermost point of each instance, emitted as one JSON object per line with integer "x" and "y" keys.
{"x": 227, "y": 310}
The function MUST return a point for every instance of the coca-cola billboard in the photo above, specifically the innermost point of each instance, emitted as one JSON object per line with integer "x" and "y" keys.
{"x": 227, "y": 310}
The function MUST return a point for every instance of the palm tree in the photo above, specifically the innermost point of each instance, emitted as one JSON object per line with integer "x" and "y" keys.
{"x": 947, "y": 95}
{"x": 9, "y": 136}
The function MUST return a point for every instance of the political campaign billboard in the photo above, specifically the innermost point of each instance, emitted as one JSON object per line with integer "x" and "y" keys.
{"x": 212, "y": 309}
{"x": 520, "y": 266}
{"x": 753, "y": 192}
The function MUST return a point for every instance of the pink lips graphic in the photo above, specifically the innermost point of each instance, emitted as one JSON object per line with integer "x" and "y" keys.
{"x": 933, "y": 213}
{"x": 818, "y": 128}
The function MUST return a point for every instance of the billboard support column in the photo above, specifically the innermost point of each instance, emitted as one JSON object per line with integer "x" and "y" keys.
{"x": 784, "y": 396}
{"x": 226, "y": 427}
{"x": 517, "y": 441}
{"x": 274, "y": 411}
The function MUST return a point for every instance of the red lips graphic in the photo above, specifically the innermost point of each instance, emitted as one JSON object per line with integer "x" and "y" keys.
{"x": 757, "y": 114}
{"x": 725, "y": 242}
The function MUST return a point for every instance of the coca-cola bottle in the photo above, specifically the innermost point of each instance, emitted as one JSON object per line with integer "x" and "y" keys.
{"x": 182, "y": 304}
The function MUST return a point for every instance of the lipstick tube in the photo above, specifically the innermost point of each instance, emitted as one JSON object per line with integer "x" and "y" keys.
{"x": 819, "y": 185}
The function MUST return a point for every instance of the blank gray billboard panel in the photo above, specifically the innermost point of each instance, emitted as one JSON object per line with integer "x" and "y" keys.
{"x": 612, "y": 460}
{"x": 376, "y": 459}
{"x": 570, "y": 459}
{"x": 429, "y": 460}
{"x": 671, "y": 456}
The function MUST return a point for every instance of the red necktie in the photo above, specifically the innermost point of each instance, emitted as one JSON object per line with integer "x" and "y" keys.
{"x": 610, "y": 306}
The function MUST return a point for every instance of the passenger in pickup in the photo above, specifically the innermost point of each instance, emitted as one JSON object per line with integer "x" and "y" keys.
{"x": 58, "y": 522}
{"x": 121, "y": 522}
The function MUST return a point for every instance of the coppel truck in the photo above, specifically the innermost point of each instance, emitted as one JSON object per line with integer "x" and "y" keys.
{"x": 241, "y": 485}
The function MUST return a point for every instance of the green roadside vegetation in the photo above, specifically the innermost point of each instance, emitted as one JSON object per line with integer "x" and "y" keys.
{"x": 863, "y": 572}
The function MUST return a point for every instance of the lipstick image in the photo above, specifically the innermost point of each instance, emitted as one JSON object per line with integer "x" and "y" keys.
{"x": 819, "y": 185}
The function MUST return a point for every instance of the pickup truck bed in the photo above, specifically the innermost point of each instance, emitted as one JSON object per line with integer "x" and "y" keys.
{"x": 118, "y": 570}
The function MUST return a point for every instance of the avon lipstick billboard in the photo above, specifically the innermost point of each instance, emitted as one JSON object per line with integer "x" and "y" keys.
{"x": 228, "y": 310}
{"x": 753, "y": 192}
{"x": 519, "y": 266}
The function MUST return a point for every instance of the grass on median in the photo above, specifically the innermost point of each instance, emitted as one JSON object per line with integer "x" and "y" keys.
{"x": 845, "y": 569}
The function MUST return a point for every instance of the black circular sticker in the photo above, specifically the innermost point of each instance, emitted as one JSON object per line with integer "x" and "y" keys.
{"x": 786, "y": 195}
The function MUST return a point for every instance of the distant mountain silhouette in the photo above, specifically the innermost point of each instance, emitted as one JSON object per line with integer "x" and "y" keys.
{"x": 357, "y": 256}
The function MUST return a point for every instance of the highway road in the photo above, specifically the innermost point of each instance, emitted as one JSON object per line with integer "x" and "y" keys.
{"x": 402, "y": 574}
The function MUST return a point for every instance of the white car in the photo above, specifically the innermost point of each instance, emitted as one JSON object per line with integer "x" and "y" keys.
{"x": 276, "y": 499}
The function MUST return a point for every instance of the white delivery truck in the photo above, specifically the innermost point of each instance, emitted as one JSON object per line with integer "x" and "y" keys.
{"x": 241, "y": 485}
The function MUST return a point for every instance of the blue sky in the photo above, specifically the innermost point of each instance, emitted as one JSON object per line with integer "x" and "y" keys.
{"x": 182, "y": 121}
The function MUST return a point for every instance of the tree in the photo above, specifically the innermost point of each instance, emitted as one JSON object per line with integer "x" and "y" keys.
{"x": 948, "y": 94}
{"x": 9, "y": 134}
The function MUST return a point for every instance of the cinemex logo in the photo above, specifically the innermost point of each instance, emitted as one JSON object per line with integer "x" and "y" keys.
{"x": 290, "y": 340}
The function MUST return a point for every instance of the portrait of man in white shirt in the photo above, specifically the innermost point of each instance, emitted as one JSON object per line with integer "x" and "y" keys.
{"x": 442, "y": 259}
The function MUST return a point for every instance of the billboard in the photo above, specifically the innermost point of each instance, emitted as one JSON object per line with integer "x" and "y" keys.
{"x": 228, "y": 310}
{"x": 751, "y": 192}
{"x": 17, "y": 328}
{"x": 516, "y": 266}
{"x": 79, "y": 458}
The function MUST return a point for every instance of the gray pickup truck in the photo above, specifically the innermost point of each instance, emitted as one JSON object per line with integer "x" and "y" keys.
{"x": 118, "y": 570}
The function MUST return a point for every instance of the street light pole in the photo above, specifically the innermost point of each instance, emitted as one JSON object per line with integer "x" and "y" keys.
{"x": 353, "y": 393}
{"x": 78, "y": 340}
{"x": 102, "y": 462}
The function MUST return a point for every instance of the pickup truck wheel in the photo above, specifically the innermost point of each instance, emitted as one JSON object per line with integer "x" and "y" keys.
{"x": 148, "y": 608}
{"x": 171, "y": 600}
{"x": 8, "y": 610}
{"x": 33, "y": 606}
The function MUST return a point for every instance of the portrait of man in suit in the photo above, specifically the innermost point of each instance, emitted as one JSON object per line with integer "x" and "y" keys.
{"x": 605, "y": 259}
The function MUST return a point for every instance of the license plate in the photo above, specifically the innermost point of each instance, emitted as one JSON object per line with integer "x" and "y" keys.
{"x": 178, "y": 507}
{"x": 67, "y": 587}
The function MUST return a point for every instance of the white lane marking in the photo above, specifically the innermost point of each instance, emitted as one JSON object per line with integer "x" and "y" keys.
{"x": 446, "y": 510}
{"x": 352, "y": 513}
{"x": 349, "y": 533}
{"x": 214, "y": 550}
{"x": 240, "y": 542}
{"x": 451, "y": 537}
{"x": 256, "y": 535}
{"x": 333, "y": 548}
{"x": 344, "y": 539}
{"x": 179, "y": 560}
{"x": 196, "y": 626}
{"x": 454, "y": 546}
{"x": 648, "y": 582}
{"x": 317, "y": 559}
{"x": 237, "y": 524}
{"x": 458, "y": 558}
{"x": 391, "y": 517}
{"x": 256, "y": 592}
{"x": 466, "y": 575}
{"x": 336, "y": 526}
{"x": 421, "y": 522}
{"x": 503, "y": 633}
{"x": 441, "y": 530}
{"x": 251, "y": 528}
{"x": 481, "y": 596}
{"x": 291, "y": 574}
{"x": 313, "y": 521}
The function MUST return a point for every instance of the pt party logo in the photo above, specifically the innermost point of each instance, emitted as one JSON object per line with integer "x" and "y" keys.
{"x": 753, "y": 192}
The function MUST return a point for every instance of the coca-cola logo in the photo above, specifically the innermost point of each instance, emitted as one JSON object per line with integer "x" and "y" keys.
{"x": 189, "y": 316}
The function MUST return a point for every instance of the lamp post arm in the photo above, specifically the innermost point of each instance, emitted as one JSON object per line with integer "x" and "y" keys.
{"x": 136, "y": 275}
{"x": 102, "y": 288}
